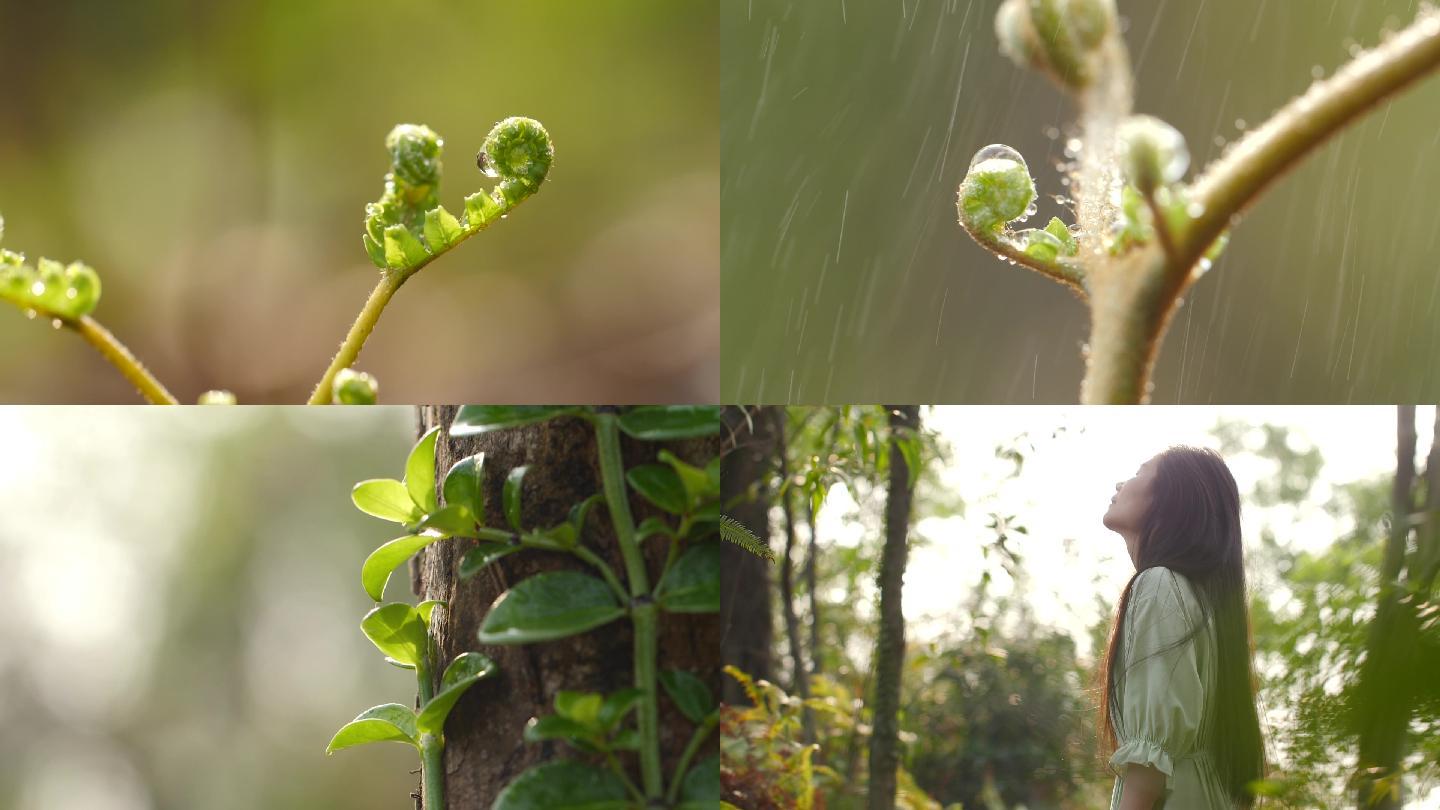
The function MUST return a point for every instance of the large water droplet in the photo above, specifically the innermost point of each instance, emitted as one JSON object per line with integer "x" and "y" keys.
{"x": 997, "y": 151}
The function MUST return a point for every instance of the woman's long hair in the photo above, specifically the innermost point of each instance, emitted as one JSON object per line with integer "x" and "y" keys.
{"x": 1193, "y": 528}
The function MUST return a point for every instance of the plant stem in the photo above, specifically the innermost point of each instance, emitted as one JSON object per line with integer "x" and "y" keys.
{"x": 432, "y": 746}
{"x": 1236, "y": 179}
{"x": 701, "y": 732}
{"x": 643, "y": 611}
{"x": 121, "y": 358}
{"x": 390, "y": 282}
{"x": 605, "y": 571}
{"x": 624, "y": 777}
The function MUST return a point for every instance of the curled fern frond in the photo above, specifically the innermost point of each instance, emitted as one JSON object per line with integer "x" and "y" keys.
{"x": 734, "y": 531}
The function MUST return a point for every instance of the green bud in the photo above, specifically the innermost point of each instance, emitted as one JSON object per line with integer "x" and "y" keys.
{"x": 1091, "y": 20}
{"x": 1018, "y": 40}
{"x": 402, "y": 249}
{"x": 82, "y": 290}
{"x": 517, "y": 150}
{"x": 415, "y": 154}
{"x": 1043, "y": 245}
{"x": 216, "y": 398}
{"x": 1057, "y": 229}
{"x": 1152, "y": 153}
{"x": 1057, "y": 37}
{"x": 997, "y": 189}
{"x": 354, "y": 388}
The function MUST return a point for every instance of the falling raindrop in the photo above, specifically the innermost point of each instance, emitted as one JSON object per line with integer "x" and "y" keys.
{"x": 1240, "y": 124}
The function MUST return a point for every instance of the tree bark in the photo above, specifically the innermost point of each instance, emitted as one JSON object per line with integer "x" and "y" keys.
{"x": 746, "y": 634}
{"x": 814, "y": 660}
{"x": 799, "y": 678}
{"x": 1386, "y": 677}
{"x": 890, "y": 646}
{"x": 484, "y": 748}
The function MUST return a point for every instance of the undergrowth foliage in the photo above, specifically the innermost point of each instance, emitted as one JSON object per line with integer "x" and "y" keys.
{"x": 558, "y": 604}
{"x": 406, "y": 229}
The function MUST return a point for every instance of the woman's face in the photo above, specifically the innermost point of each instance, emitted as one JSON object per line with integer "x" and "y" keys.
{"x": 1128, "y": 507}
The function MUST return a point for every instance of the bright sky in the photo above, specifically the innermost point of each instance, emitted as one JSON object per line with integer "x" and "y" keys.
{"x": 1066, "y": 485}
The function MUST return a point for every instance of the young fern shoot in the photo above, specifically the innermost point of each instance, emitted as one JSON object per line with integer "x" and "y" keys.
{"x": 1143, "y": 235}
{"x": 407, "y": 228}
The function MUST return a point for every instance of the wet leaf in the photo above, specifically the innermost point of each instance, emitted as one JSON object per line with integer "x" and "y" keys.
{"x": 389, "y": 722}
{"x": 550, "y": 606}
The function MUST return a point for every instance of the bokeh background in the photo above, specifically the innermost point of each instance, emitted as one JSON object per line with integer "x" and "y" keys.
{"x": 848, "y": 124}
{"x": 212, "y": 160}
{"x": 181, "y": 593}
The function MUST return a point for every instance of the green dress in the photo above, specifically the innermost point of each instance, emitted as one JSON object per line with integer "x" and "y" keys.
{"x": 1163, "y": 690}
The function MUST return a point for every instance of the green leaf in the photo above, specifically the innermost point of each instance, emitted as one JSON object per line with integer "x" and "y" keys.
{"x": 386, "y": 499}
{"x": 564, "y": 785}
{"x": 464, "y": 484}
{"x": 689, "y": 693}
{"x": 733, "y": 531}
{"x": 582, "y": 707}
{"x": 453, "y": 520}
{"x": 555, "y": 538}
{"x": 463, "y": 672}
{"x": 389, "y": 722}
{"x": 385, "y": 559}
{"x": 580, "y": 511}
{"x": 402, "y": 249}
{"x": 659, "y": 485}
{"x": 1057, "y": 229}
{"x": 375, "y": 251}
{"x": 514, "y": 485}
{"x": 482, "y": 555}
{"x": 473, "y": 419}
{"x": 420, "y": 472}
{"x": 617, "y": 705}
{"x": 701, "y": 788}
{"x": 480, "y": 210}
{"x": 427, "y": 608}
{"x": 651, "y": 526}
{"x": 397, "y": 631}
{"x": 663, "y": 422}
{"x": 693, "y": 585}
{"x": 550, "y": 606}
{"x": 695, "y": 480}
{"x": 627, "y": 740}
{"x": 555, "y": 727}
{"x": 442, "y": 229}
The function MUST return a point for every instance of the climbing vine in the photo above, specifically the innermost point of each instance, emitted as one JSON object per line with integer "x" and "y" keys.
{"x": 559, "y": 604}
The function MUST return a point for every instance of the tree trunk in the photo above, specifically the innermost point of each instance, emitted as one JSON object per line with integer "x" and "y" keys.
{"x": 1384, "y": 691}
{"x": 890, "y": 646}
{"x": 799, "y": 678}
{"x": 484, "y": 748}
{"x": 814, "y": 660}
{"x": 746, "y": 634}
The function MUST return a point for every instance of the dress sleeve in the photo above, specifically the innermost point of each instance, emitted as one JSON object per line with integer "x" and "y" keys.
{"x": 1160, "y": 688}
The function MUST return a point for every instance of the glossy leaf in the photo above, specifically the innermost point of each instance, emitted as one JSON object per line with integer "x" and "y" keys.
{"x": 463, "y": 672}
{"x": 397, "y": 631}
{"x": 554, "y": 727}
{"x": 420, "y": 472}
{"x": 482, "y": 555}
{"x": 452, "y": 520}
{"x": 550, "y": 606}
{"x": 659, "y": 485}
{"x": 700, "y": 789}
{"x": 693, "y": 584}
{"x": 695, "y": 480}
{"x": 664, "y": 422}
{"x": 510, "y": 496}
{"x": 464, "y": 484}
{"x": 473, "y": 419}
{"x": 427, "y": 608}
{"x": 690, "y": 694}
{"x": 582, "y": 707}
{"x": 386, "y": 499}
{"x": 564, "y": 785}
{"x": 385, "y": 559}
{"x": 390, "y": 722}
{"x": 617, "y": 705}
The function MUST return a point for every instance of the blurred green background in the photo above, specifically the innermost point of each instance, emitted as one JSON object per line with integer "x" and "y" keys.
{"x": 848, "y": 124}
{"x": 182, "y": 601}
{"x": 212, "y": 160}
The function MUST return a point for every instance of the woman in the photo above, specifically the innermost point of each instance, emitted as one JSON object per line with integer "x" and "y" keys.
{"x": 1178, "y": 708}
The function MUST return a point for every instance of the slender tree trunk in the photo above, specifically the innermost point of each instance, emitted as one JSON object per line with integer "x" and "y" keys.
{"x": 746, "y": 634}
{"x": 1386, "y": 677}
{"x": 484, "y": 748}
{"x": 814, "y": 660}
{"x": 799, "y": 678}
{"x": 890, "y": 647}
